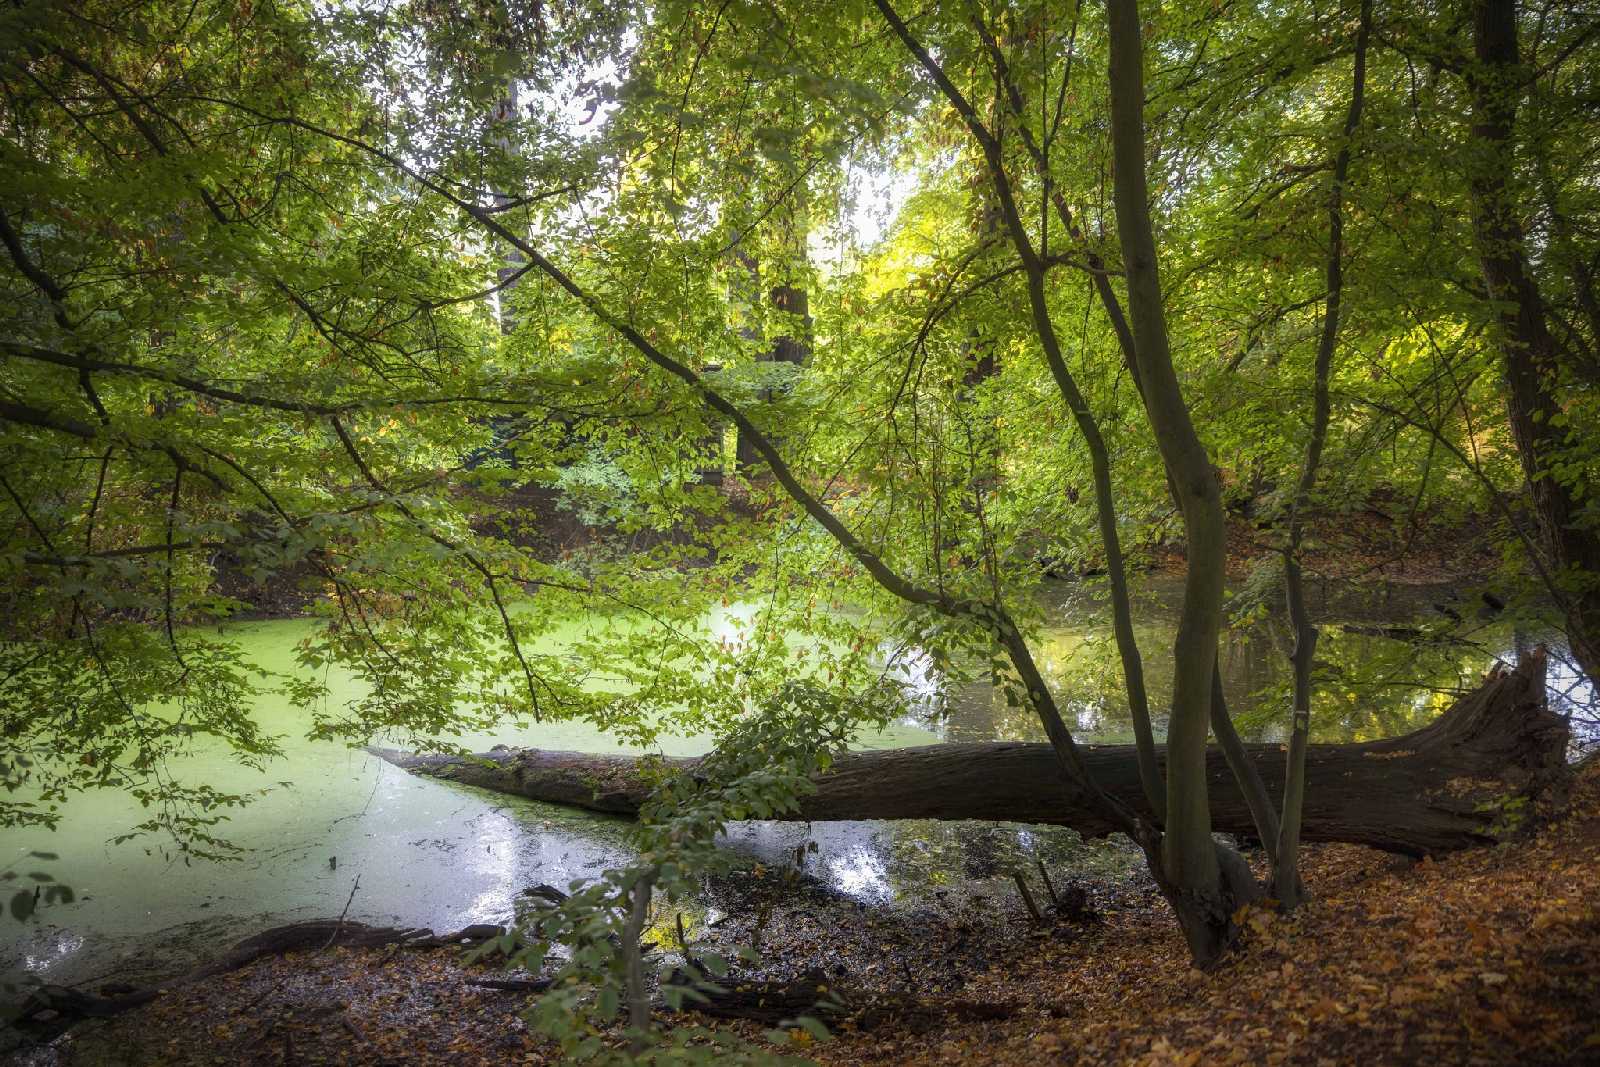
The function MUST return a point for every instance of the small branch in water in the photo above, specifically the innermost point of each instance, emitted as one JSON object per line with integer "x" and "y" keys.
{"x": 339, "y": 925}
{"x": 355, "y": 1031}
{"x": 683, "y": 944}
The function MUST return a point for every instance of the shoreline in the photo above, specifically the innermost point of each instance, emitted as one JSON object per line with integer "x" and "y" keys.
{"x": 1491, "y": 955}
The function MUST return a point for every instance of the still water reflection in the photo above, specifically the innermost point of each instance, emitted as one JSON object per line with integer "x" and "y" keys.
{"x": 1388, "y": 660}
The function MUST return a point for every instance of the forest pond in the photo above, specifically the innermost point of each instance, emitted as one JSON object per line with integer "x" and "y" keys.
{"x": 443, "y": 856}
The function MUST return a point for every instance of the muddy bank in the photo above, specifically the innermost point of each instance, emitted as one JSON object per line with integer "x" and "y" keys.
{"x": 1485, "y": 957}
{"x": 411, "y": 1000}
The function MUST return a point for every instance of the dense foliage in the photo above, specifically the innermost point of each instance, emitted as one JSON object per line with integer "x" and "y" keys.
{"x": 818, "y": 304}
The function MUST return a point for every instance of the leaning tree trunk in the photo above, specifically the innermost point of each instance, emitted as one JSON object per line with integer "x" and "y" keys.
{"x": 1441, "y": 788}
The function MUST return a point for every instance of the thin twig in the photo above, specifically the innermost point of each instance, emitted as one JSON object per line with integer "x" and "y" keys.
{"x": 338, "y": 926}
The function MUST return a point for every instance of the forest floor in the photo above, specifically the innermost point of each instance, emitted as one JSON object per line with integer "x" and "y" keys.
{"x": 1484, "y": 957}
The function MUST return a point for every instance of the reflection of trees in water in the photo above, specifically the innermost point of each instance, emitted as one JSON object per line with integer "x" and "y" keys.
{"x": 920, "y": 855}
{"x": 1388, "y": 662}
{"x": 983, "y": 854}
{"x": 908, "y": 859}
{"x": 1370, "y": 683}
{"x": 1572, "y": 695}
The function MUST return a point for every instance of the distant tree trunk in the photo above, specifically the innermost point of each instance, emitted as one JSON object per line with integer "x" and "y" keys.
{"x": 791, "y": 343}
{"x": 792, "y": 347}
{"x": 711, "y": 448}
{"x": 1531, "y": 356}
{"x": 514, "y": 262}
{"x": 747, "y": 299}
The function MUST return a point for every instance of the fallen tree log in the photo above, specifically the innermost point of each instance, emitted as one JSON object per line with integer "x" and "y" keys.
{"x": 1460, "y": 781}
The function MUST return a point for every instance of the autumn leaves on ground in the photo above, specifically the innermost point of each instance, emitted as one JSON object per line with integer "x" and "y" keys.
{"x": 1490, "y": 956}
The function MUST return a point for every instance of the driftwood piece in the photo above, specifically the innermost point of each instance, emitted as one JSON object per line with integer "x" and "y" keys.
{"x": 512, "y": 985}
{"x": 1435, "y": 790}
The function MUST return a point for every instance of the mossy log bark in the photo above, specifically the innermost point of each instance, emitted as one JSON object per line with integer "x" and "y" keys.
{"x": 1450, "y": 785}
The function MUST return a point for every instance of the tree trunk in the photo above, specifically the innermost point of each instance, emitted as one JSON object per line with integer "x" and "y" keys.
{"x": 1196, "y": 886}
{"x": 1532, "y": 357}
{"x": 1088, "y": 425}
{"x": 1286, "y": 861}
{"x": 1418, "y": 794}
{"x": 515, "y": 263}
